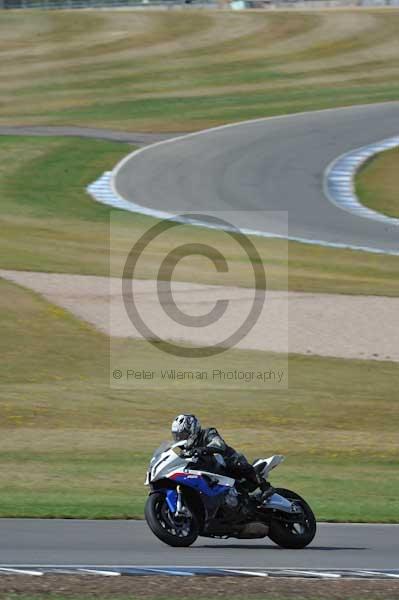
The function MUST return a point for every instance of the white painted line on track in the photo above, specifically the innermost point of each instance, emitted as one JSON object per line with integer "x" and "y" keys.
{"x": 251, "y": 573}
{"x": 307, "y": 573}
{"x": 365, "y": 573}
{"x": 21, "y": 571}
{"x": 171, "y": 571}
{"x": 100, "y": 572}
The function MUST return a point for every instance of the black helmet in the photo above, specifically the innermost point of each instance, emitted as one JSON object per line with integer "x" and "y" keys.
{"x": 185, "y": 427}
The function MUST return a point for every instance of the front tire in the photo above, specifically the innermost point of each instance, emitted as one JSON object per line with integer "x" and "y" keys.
{"x": 295, "y": 535}
{"x": 177, "y": 532}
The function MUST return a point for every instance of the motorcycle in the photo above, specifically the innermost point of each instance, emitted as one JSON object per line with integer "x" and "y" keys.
{"x": 188, "y": 500}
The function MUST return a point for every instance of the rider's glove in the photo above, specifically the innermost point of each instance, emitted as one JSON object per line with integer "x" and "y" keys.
{"x": 197, "y": 453}
{"x": 204, "y": 451}
{"x": 186, "y": 454}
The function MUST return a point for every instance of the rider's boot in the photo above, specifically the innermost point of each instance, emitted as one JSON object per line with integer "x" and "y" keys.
{"x": 266, "y": 489}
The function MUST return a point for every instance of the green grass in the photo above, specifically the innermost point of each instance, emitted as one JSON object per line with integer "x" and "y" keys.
{"x": 72, "y": 446}
{"x": 159, "y": 71}
{"x": 49, "y": 223}
{"x": 47, "y": 177}
{"x": 377, "y": 183}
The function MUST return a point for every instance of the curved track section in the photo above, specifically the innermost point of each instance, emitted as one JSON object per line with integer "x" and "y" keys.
{"x": 275, "y": 164}
{"x": 56, "y": 542}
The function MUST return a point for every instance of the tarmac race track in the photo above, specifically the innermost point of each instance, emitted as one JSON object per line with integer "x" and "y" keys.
{"x": 274, "y": 164}
{"x": 70, "y": 542}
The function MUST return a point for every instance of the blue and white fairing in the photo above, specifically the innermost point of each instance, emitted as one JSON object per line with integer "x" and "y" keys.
{"x": 168, "y": 464}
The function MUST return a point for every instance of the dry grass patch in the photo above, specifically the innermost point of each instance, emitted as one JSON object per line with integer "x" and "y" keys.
{"x": 214, "y": 60}
{"x": 377, "y": 183}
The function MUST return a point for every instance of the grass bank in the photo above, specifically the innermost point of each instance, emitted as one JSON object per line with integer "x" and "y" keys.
{"x": 49, "y": 223}
{"x": 71, "y": 446}
{"x": 169, "y": 71}
{"x": 377, "y": 183}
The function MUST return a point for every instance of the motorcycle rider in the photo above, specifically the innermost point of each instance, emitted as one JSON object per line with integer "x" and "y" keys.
{"x": 207, "y": 442}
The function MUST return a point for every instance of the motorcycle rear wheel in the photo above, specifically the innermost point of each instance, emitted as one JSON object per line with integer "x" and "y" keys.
{"x": 177, "y": 532}
{"x": 290, "y": 534}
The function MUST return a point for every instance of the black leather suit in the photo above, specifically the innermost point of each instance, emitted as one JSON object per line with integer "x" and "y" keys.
{"x": 209, "y": 441}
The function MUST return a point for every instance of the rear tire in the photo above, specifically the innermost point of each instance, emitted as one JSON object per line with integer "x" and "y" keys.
{"x": 179, "y": 533}
{"x": 293, "y": 535}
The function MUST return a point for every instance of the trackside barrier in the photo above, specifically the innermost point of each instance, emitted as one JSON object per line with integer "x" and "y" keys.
{"x": 82, "y": 4}
{"x": 142, "y": 4}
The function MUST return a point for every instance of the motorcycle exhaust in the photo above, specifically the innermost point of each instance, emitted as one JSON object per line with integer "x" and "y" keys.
{"x": 253, "y": 530}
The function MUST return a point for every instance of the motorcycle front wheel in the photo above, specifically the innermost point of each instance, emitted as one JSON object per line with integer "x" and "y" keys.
{"x": 293, "y": 534}
{"x": 174, "y": 531}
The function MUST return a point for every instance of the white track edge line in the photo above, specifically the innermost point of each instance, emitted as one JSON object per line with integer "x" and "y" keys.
{"x": 111, "y": 199}
{"x": 95, "y": 571}
{"x": 20, "y": 571}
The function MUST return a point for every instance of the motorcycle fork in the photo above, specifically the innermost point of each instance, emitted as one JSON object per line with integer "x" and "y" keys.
{"x": 181, "y": 510}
